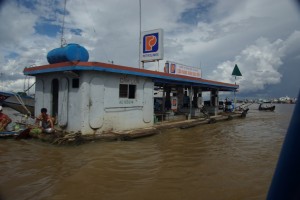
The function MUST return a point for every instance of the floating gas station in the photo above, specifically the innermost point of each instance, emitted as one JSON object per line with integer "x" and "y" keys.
{"x": 96, "y": 98}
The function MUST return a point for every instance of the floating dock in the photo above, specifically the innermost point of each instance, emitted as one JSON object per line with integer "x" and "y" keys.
{"x": 60, "y": 137}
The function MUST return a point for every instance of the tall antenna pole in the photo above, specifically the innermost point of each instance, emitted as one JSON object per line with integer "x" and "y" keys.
{"x": 140, "y": 40}
{"x": 1, "y": 73}
{"x": 234, "y": 93}
{"x": 62, "y": 40}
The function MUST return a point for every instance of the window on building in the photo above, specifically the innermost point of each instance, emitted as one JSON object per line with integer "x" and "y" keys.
{"x": 127, "y": 91}
{"x": 75, "y": 83}
{"x": 131, "y": 91}
{"x": 123, "y": 91}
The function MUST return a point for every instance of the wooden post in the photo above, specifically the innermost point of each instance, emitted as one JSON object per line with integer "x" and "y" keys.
{"x": 191, "y": 96}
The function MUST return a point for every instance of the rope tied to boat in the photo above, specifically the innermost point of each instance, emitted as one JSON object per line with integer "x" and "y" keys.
{"x": 20, "y": 100}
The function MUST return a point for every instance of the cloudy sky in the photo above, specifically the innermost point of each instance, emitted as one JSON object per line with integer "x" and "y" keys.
{"x": 261, "y": 36}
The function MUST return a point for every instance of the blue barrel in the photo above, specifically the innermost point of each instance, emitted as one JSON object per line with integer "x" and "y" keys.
{"x": 71, "y": 52}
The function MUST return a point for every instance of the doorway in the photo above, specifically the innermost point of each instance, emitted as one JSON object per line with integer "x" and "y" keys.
{"x": 55, "y": 89}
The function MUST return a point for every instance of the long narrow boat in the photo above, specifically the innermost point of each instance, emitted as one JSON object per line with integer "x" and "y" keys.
{"x": 267, "y": 108}
{"x": 20, "y": 102}
{"x": 9, "y": 134}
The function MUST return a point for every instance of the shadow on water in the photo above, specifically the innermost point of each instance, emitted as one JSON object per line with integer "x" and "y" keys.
{"x": 228, "y": 160}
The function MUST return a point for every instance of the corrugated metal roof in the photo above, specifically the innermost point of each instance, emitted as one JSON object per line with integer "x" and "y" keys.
{"x": 157, "y": 77}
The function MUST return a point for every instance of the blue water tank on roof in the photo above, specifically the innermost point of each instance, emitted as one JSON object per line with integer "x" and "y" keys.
{"x": 71, "y": 52}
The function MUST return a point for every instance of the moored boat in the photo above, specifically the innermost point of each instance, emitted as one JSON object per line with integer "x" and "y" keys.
{"x": 9, "y": 134}
{"x": 20, "y": 102}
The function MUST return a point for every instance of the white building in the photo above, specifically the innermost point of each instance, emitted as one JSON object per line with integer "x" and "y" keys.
{"x": 94, "y": 97}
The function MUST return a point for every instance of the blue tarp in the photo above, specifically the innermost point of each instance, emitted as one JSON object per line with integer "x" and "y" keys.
{"x": 286, "y": 179}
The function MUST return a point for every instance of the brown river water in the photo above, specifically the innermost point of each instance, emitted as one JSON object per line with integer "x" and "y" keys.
{"x": 226, "y": 160}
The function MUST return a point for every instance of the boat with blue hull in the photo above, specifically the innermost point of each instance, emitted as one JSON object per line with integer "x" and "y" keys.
{"x": 9, "y": 134}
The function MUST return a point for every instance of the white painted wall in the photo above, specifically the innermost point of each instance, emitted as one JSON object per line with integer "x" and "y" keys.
{"x": 39, "y": 96}
{"x": 95, "y": 107}
{"x": 43, "y": 98}
{"x": 118, "y": 113}
{"x": 74, "y": 108}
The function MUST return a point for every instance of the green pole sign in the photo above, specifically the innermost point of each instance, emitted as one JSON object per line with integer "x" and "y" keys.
{"x": 236, "y": 71}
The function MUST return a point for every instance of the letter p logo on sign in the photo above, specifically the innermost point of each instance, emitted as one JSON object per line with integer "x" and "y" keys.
{"x": 150, "y": 43}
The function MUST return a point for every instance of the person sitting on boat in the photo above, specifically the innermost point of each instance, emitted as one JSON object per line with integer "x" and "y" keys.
{"x": 44, "y": 120}
{"x": 4, "y": 120}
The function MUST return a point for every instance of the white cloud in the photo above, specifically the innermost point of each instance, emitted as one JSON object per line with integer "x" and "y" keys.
{"x": 15, "y": 27}
{"x": 259, "y": 63}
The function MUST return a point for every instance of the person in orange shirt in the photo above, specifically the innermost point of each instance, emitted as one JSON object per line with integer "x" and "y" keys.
{"x": 4, "y": 120}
